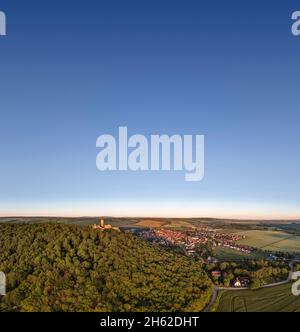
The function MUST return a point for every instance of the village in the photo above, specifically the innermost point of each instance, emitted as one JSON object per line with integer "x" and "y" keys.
{"x": 203, "y": 242}
{"x": 188, "y": 240}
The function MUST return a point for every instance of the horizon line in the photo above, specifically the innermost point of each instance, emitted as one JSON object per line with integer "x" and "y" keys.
{"x": 297, "y": 219}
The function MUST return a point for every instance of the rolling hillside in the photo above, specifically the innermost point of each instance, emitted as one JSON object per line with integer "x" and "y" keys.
{"x": 57, "y": 267}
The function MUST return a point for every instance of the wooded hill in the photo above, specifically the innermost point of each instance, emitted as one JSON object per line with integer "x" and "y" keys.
{"x": 56, "y": 267}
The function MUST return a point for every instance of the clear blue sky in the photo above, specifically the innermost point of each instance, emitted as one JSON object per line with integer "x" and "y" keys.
{"x": 73, "y": 70}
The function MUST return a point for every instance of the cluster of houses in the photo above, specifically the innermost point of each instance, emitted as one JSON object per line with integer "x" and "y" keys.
{"x": 240, "y": 282}
{"x": 189, "y": 239}
{"x": 161, "y": 237}
{"x": 164, "y": 236}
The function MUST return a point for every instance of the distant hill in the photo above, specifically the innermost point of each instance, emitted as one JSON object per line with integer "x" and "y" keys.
{"x": 58, "y": 267}
{"x": 139, "y": 223}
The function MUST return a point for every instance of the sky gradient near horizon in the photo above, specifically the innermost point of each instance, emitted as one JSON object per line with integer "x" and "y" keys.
{"x": 71, "y": 71}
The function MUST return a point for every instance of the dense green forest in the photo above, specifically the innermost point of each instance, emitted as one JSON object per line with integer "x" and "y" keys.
{"x": 55, "y": 267}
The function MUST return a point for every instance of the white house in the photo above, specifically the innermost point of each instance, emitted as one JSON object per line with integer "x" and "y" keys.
{"x": 237, "y": 283}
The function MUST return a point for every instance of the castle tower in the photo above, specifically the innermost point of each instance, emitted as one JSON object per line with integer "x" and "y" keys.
{"x": 102, "y": 223}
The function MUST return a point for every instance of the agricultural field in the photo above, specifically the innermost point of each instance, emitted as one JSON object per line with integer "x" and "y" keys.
{"x": 150, "y": 223}
{"x": 223, "y": 253}
{"x": 179, "y": 224}
{"x": 275, "y": 299}
{"x": 271, "y": 240}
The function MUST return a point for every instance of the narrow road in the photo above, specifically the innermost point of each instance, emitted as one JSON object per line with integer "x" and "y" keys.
{"x": 213, "y": 299}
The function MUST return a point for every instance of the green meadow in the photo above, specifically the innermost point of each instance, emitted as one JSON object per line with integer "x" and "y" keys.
{"x": 275, "y": 299}
{"x": 271, "y": 240}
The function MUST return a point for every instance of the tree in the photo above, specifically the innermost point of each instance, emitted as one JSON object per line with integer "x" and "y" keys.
{"x": 255, "y": 283}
